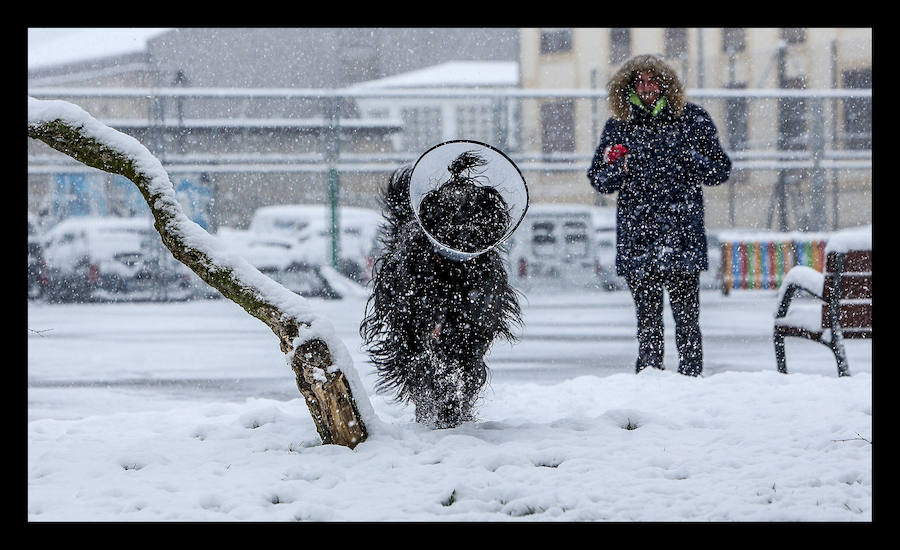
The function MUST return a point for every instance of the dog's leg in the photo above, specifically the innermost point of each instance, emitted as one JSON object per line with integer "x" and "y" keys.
{"x": 452, "y": 379}
{"x": 449, "y": 402}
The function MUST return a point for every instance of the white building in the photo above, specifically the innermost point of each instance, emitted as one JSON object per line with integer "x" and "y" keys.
{"x": 433, "y": 117}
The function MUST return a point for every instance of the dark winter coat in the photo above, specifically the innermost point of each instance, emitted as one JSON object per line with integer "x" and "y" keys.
{"x": 659, "y": 208}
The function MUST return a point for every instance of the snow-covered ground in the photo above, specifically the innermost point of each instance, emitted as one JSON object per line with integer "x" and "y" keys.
{"x": 188, "y": 412}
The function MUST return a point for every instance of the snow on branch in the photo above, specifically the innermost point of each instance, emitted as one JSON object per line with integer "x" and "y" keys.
{"x": 320, "y": 360}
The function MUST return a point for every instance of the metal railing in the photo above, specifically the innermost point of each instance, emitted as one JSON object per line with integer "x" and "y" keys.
{"x": 817, "y": 145}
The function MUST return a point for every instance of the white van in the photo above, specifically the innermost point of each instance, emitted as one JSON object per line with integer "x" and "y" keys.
{"x": 565, "y": 246}
{"x": 310, "y": 226}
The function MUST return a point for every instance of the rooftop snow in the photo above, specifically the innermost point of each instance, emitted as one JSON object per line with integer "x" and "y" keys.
{"x": 452, "y": 73}
{"x": 55, "y": 46}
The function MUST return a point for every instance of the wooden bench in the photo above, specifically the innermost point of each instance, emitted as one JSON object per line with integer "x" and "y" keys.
{"x": 842, "y": 307}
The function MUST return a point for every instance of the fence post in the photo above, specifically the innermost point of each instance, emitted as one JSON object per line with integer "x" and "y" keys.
{"x": 817, "y": 146}
{"x": 332, "y": 155}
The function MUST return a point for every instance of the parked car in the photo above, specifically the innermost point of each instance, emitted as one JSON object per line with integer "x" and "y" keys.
{"x": 606, "y": 261}
{"x": 712, "y": 278}
{"x": 111, "y": 259}
{"x": 309, "y": 225}
{"x": 289, "y": 263}
{"x": 37, "y": 267}
{"x": 565, "y": 246}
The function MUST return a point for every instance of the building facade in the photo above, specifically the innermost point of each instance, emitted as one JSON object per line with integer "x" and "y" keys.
{"x": 243, "y": 121}
{"x": 773, "y": 140}
{"x": 432, "y": 117}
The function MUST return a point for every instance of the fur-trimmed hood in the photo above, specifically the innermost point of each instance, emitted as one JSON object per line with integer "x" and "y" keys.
{"x": 621, "y": 85}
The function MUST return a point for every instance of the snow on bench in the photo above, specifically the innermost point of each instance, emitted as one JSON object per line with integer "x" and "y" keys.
{"x": 842, "y": 298}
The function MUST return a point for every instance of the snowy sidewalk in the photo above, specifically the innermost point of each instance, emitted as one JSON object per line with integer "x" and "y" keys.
{"x": 187, "y": 412}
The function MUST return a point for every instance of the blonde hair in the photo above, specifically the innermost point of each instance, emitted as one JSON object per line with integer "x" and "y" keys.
{"x": 622, "y": 84}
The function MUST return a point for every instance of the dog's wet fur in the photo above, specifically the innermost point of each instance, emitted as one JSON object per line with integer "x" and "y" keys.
{"x": 430, "y": 320}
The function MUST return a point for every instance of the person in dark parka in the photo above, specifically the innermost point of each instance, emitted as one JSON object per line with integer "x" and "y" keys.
{"x": 656, "y": 151}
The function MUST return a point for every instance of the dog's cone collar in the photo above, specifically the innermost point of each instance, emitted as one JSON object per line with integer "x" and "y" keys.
{"x": 431, "y": 171}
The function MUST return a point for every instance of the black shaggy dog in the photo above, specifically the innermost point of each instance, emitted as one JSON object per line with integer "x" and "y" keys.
{"x": 430, "y": 320}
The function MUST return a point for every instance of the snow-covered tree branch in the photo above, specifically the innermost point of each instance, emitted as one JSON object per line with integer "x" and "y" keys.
{"x": 320, "y": 361}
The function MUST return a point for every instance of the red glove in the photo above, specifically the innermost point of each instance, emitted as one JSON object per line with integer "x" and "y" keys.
{"x": 614, "y": 153}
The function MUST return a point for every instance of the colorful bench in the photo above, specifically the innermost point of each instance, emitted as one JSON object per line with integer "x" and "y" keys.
{"x": 762, "y": 264}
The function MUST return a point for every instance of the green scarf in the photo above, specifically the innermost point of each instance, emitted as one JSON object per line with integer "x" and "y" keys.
{"x": 660, "y": 103}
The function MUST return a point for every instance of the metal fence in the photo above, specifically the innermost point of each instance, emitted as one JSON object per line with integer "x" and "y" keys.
{"x": 802, "y": 158}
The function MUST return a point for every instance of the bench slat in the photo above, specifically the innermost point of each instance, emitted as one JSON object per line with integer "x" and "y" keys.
{"x": 857, "y": 334}
{"x": 790, "y": 330}
{"x": 853, "y": 287}
{"x": 856, "y": 261}
{"x": 851, "y": 316}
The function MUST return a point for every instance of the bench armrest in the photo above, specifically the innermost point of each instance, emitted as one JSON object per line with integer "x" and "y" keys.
{"x": 799, "y": 278}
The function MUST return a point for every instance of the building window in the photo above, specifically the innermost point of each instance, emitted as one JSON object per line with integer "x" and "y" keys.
{"x": 543, "y": 240}
{"x": 558, "y": 127}
{"x": 736, "y": 113}
{"x": 793, "y": 35}
{"x": 619, "y": 45}
{"x": 733, "y": 39}
{"x": 857, "y": 111}
{"x": 575, "y": 239}
{"x": 421, "y": 128}
{"x": 675, "y": 43}
{"x": 792, "y": 118}
{"x": 475, "y": 122}
{"x": 556, "y": 40}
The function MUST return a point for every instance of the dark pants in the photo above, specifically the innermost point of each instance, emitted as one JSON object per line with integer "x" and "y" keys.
{"x": 684, "y": 299}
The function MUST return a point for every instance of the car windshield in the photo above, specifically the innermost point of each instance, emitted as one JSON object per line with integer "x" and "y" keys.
{"x": 108, "y": 242}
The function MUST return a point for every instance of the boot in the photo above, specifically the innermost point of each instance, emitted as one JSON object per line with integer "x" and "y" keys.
{"x": 644, "y": 362}
{"x": 690, "y": 370}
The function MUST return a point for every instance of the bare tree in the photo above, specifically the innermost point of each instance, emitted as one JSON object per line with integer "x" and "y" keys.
{"x": 307, "y": 340}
